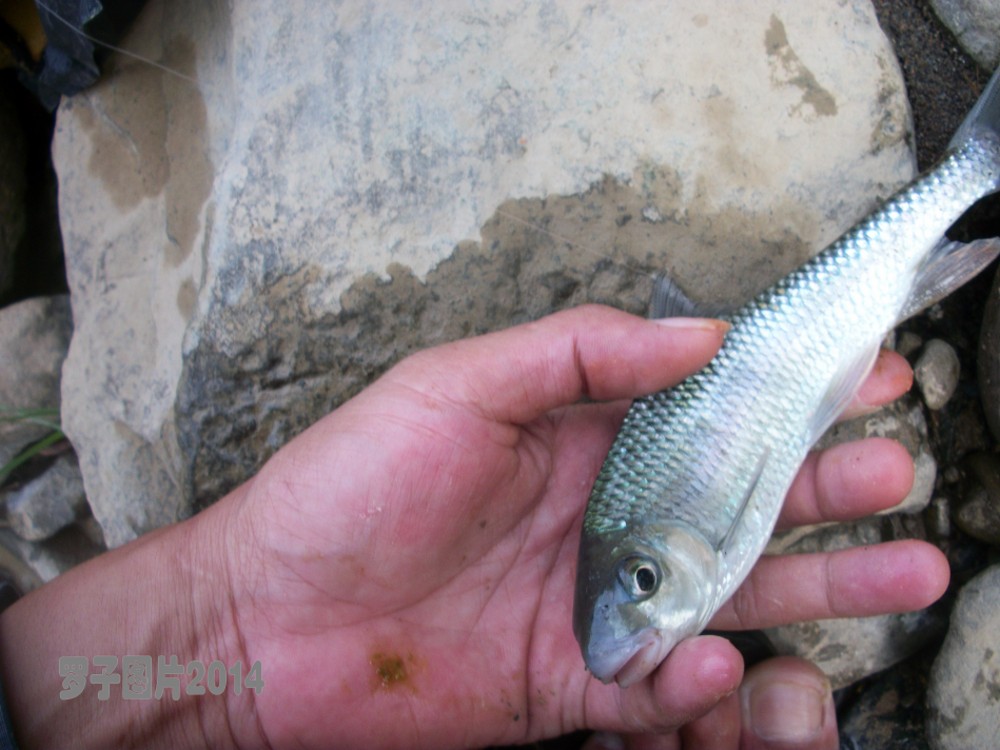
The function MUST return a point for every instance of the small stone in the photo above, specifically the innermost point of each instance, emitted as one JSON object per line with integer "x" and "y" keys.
{"x": 978, "y": 512}
{"x": 49, "y": 502}
{"x": 976, "y": 26}
{"x": 963, "y": 697}
{"x": 936, "y": 373}
{"x": 907, "y": 343}
{"x": 939, "y": 518}
{"x": 34, "y": 339}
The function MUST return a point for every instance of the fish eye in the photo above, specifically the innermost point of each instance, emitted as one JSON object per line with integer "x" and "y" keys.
{"x": 640, "y": 576}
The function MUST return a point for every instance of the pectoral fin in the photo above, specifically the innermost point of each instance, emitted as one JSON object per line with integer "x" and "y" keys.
{"x": 841, "y": 391}
{"x": 745, "y": 499}
{"x": 948, "y": 266}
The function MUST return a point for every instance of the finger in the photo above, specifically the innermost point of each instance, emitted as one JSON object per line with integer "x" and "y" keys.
{"x": 787, "y": 703}
{"x": 695, "y": 676}
{"x": 890, "y": 378}
{"x": 719, "y": 729}
{"x": 890, "y": 577}
{"x": 847, "y": 481}
{"x": 520, "y": 373}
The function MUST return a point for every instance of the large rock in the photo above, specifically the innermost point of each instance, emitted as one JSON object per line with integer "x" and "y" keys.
{"x": 963, "y": 698}
{"x": 341, "y": 188}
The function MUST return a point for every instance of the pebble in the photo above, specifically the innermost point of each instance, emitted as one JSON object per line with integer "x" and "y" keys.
{"x": 978, "y": 512}
{"x": 938, "y": 518}
{"x": 907, "y": 343}
{"x": 936, "y": 373}
{"x": 49, "y": 502}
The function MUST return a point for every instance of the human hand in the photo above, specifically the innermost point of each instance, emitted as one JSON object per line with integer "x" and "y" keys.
{"x": 404, "y": 569}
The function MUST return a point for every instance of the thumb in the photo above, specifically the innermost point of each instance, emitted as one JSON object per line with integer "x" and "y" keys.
{"x": 518, "y": 374}
{"x": 695, "y": 676}
{"x": 787, "y": 702}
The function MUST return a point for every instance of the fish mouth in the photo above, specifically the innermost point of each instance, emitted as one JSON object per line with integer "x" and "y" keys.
{"x": 628, "y": 663}
{"x": 642, "y": 663}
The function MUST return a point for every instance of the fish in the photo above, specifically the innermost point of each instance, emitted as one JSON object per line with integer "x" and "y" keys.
{"x": 691, "y": 489}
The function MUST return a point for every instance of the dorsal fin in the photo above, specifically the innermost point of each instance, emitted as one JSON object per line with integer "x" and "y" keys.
{"x": 668, "y": 300}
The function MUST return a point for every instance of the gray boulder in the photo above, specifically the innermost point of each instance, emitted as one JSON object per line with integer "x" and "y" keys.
{"x": 318, "y": 194}
{"x": 963, "y": 697}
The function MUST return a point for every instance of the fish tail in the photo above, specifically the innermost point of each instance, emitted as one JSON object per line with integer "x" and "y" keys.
{"x": 984, "y": 116}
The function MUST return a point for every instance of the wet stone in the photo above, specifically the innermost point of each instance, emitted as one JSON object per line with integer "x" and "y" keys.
{"x": 936, "y": 373}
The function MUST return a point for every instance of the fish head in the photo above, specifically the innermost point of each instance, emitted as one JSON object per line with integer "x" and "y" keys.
{"x": 639, "y": 592}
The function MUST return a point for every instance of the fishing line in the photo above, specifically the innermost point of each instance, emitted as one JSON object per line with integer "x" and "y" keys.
{"x": 113, "y": 48}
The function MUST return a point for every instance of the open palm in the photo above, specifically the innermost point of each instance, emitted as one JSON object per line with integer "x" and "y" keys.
{"x": 403, "y": 570}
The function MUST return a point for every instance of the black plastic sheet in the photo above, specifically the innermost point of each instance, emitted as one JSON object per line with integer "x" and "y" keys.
{"x": 79, "y": 34}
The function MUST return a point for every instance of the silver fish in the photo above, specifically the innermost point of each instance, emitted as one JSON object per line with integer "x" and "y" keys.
{"x": 691, "y": 489}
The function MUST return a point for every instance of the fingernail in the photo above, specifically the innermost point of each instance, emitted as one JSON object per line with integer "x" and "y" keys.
{"x": 786, "y": 712}
{"x": 694, "y": 324}
{"x": 604, "y": 741}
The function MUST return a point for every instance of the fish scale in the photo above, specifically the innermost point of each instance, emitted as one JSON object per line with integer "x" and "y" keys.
{"x": 692, "y": 486}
